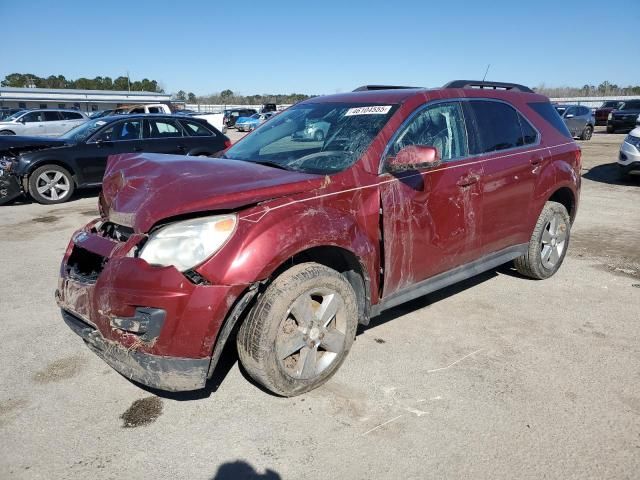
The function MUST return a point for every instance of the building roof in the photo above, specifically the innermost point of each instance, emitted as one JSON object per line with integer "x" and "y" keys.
{"x": 75, "y": 91}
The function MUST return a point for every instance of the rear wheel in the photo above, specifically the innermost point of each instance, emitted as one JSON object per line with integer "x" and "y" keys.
{"x": 548, "y": 244}
{"x": 610, "y": 129}
{"x": 300, "y": 330}
{"x": 318, "y": 136}
{"x": 587, "y": 133}
{"x": 7, "y": 132}
{"x": 51, "y": 184}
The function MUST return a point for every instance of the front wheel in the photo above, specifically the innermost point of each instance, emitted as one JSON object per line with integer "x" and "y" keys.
{"x": 300, "y": 330}
{"x": 51, "y": 184}
{"x": 610, "y": 129}
{"x": 7, "y": 132}
{"x": 548, "y": 244}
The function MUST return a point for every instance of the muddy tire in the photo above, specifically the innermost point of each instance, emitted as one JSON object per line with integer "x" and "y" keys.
{"x": 7, "y": 132}
{"x": 51, "y": 184}
{"x": 610, "y": 129}
{"x": 300, "y": 330}
{"x": 548, "y": 244}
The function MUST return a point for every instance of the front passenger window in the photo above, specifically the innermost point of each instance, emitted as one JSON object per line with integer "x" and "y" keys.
{"x": 33, "y": 117}
{"x": 440, "y": 126}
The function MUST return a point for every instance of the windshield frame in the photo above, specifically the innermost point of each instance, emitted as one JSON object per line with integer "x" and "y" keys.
{"x": 101, "y": 120}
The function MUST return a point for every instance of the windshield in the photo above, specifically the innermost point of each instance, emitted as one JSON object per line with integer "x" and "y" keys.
{"x": 611, "y": 104}
{"x": 287, "y": 140}
{"x": 84, "y": 131}
{"x": 14, "y": 116}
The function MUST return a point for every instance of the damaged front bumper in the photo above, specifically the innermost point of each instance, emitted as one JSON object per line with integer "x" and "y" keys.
{"x": 151, "y": 324}
{"x": 10, "y": 187}
{"x": 164, "y": 373}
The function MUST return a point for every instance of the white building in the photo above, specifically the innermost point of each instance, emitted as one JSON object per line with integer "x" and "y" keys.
{"x": 85, "y": 100}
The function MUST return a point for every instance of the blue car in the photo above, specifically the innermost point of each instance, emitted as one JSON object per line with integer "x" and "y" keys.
{"x": 246, "y": 124}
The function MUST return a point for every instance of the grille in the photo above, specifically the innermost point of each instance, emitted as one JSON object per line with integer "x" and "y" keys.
{"x": 115, "y": 232}
{"x": 85, "y": 266}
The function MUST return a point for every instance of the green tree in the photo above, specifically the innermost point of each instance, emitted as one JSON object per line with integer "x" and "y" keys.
{"x": 181, "y": 95}
{"x": 226, "y": 94}
{"x": 191, "y": 97}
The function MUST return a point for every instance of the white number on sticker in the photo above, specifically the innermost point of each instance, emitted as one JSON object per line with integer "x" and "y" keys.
{"x": 373, "y": 110}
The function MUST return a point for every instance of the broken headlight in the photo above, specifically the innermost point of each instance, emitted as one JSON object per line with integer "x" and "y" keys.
{"x": 188, "y": 243}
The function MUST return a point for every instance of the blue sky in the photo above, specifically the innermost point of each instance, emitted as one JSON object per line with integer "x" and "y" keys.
{"x": 323, "y": 47}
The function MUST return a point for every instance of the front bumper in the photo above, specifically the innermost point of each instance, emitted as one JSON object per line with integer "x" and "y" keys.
{"x": 626, "y": 124}
{"x": 151, "y": 324}
{"x": 10, "y": 187}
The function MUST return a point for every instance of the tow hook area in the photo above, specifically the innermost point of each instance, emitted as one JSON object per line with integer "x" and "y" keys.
{"x": 146, "y": 322}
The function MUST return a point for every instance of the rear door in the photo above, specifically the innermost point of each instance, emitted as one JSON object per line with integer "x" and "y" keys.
{"x": 200, "y": 140}
{"x": 431, "y": 218}
{"x": 55, "y": 123}
{"x": 73, "y": 119}
{"x": 164, "y": 135}
{"x": 507, "y": 144}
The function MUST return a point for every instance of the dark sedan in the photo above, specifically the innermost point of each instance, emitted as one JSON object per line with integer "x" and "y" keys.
{"x": 50, "y": 173}
{"x": 605, "y": 109}
{"x": 625, "y": 117}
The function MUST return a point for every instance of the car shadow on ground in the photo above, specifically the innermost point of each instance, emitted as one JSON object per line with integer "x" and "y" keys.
{"x": 610, "y": 173}
{"x": 229, "y": 356}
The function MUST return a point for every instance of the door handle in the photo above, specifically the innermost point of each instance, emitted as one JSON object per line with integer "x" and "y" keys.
{"x": 467, "y": 180}
{"x": 535, "y": 161}
{"x": 181, "y": 148}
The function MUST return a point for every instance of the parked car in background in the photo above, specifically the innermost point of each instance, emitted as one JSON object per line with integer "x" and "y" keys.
{"x": 625, "y": 117}
{"x": 78, "y": 158}
{"x": 314, "y": 130}
{"x": 42, "y": 123}
{"x": 579, "y": 120}
{"x": 150, "y": 108}
{"x": 602, "y": 113}
{"x": 247, "y": 124}
{"x": 100, "y": 114}
{"x": 215, "y": 119}
{"x": 7, "y": 112}
{"x": 269, "y": 107}
{"x": 231, "y": 115}
{"x": 629, "y": 156}
{"x": 412, "y": 190}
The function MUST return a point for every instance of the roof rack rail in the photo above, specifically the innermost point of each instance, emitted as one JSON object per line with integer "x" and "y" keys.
{"x": 488, "y": 85}
{"x": 366, "y": 88}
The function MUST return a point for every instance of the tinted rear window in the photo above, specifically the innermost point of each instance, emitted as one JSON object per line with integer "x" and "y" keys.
{"x": 51, "y": 116}
{"x": 631, "y": 105}
{"x": 71, "y": 116}
{"x": 498, "y": 126}
{"x": 549, "y": 114}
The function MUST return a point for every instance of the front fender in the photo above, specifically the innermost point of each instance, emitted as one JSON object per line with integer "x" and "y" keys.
{"x": 262, "y": 244}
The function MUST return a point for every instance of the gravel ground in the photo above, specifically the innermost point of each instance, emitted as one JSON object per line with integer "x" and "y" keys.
{"x": 498, "y": 377}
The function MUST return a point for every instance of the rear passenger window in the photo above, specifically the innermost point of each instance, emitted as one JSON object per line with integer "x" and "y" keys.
{"x": 498, "y": 126}
{"x": 51, "y": 116}
{"x": 163, "y": 129}
{"x": 549, "y": 114}
{"x": 71, "y": 116}
{"x": 440, "y": 126}
{"x": 529, "y": 134}
{"x": 196, "y": 130}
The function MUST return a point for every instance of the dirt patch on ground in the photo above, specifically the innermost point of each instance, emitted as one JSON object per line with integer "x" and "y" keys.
{"x": 142, "y": 412}
{"x": 617, "y": 243}
{"x": 46, "y": 219}
{"x": 59, "y": 370}
{"x": 9, "y": 409}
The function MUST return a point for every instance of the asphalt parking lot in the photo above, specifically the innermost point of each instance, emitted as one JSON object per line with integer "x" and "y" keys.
{"x": 498, "y": 377}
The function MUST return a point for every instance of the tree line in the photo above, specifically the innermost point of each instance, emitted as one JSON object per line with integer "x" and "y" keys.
{"x": 606, "y": 88}
{"x": 228, "y": 97}
{"x": 28, "y": 80}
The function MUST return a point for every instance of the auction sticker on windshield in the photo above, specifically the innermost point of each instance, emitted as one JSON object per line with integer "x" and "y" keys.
{"x": 373, "y": 110}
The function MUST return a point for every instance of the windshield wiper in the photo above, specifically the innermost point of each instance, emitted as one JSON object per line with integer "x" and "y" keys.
{"x": 273, "y": 164}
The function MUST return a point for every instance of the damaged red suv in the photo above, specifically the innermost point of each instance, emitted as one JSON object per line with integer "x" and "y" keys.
{"x": 296, "y": 241}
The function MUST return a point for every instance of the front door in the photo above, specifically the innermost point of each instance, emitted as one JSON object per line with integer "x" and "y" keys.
{"x": 34, "y": 124}
{"x": 124, "y": 136}
{"x": 431, "y": 218}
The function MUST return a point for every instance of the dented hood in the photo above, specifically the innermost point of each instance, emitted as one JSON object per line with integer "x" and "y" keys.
{"x": 139, "y": 190}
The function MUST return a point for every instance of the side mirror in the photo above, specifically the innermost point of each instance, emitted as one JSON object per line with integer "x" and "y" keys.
{"x": 569, "y": 115}
{"x": 414, "y": 157}
{"x": 21, "y": 120}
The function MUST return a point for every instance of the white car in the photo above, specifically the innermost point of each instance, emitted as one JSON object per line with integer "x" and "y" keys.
{"x": 42, "y": 123}
{"x": 629, "y": 156}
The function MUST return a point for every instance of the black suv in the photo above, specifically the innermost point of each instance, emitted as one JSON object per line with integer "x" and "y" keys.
{"x": 232, "y": 115}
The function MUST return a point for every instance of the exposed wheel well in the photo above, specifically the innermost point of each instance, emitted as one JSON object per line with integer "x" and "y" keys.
{"x": 7, "y": 132}
{"x": 342, "y": 261}
{"x": 565, "y": 197}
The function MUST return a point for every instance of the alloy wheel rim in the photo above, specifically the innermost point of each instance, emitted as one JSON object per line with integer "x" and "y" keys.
{"x": 312, "y": 334}
{"x": 554, "y": 240}
{"x": 53, "y": 185}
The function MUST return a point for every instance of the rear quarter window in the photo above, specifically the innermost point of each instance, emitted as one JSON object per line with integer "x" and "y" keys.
{"x": 498, "y": 126}
{"x": 549, "y": 114}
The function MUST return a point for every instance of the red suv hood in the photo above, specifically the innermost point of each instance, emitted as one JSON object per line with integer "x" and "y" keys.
{"x": 139, "y": 190}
